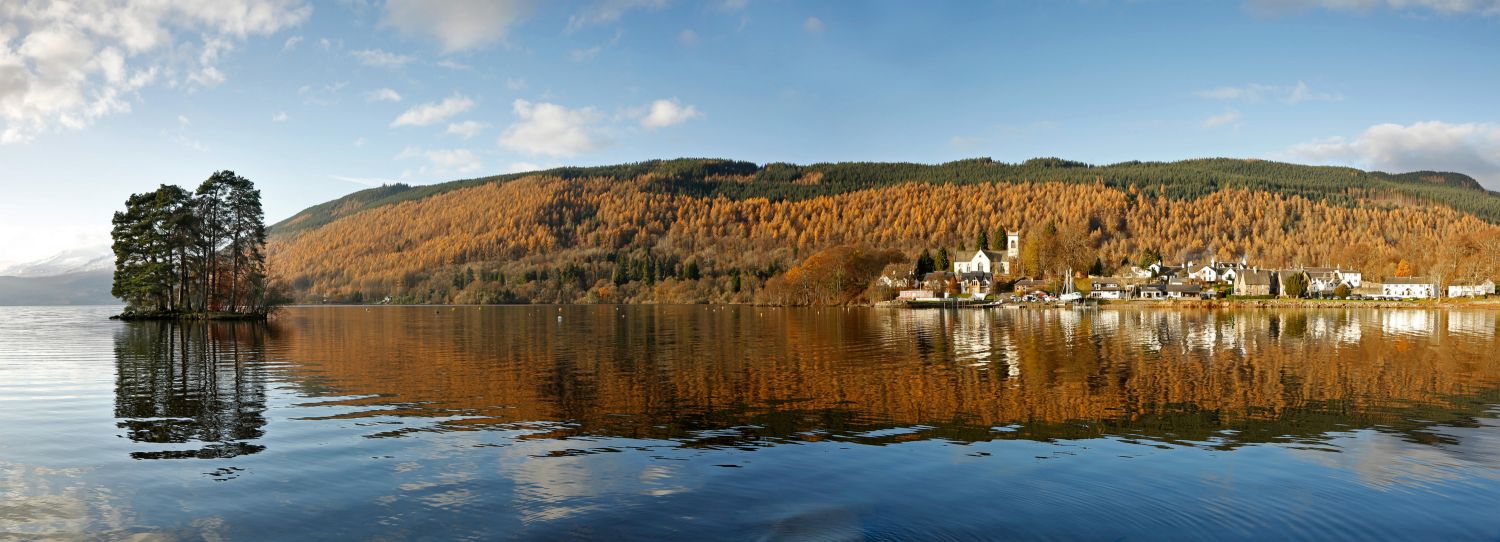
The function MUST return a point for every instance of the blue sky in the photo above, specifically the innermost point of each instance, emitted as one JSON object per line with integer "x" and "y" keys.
{"x": 312, "y": 100}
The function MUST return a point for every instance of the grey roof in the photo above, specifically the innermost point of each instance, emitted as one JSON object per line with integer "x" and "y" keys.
{"x": 968, "y": 255}
{"x": 975, "y": 275}
{"x": 1184, "y": 288}
{"x": 1409, "y": 280}
{"x": 1256, "y": 277}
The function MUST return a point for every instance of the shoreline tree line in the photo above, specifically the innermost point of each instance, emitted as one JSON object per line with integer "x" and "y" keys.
{"x": 199, "y": 253}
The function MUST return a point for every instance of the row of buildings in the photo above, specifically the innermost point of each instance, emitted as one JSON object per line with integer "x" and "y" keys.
{"x": 974, "y": 274}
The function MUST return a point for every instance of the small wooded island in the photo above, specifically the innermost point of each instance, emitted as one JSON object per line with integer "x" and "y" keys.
{"x": 198, "y": 255}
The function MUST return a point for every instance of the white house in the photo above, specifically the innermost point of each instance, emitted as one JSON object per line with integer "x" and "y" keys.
{"x": 1351, "y": 277}
{"x": 1472, "y": 290}
{"x": 1408, "y": 288}
{"x": 1151, "y": 291}
{"x": 1206, "y": 273}
{"x": 1110, "y": 290}
{"x": 1184, "y": 291}
{"x": 897, "y": 275}
{"x": 981, "y": 261}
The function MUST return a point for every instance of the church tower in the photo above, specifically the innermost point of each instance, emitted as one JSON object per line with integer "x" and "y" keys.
{"x": 1012, "y": 244}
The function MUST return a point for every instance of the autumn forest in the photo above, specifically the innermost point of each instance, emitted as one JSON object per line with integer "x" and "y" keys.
{"x": 723, "y": 231}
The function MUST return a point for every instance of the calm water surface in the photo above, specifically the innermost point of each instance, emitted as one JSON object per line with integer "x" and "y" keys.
{"x": 397, "y": 423}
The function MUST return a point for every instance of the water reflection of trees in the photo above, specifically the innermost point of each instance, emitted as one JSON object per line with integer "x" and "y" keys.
{"x": 202, "y": 384}
{"x": 738, "y": 376}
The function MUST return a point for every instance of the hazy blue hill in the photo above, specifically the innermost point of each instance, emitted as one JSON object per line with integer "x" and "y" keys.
{"x": 88, "y": 288}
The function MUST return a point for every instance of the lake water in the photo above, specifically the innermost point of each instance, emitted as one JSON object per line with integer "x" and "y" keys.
{"x": 747, "y": 423}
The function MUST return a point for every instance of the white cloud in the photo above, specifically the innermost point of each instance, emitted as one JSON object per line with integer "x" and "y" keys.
{"x": 608, "y": 11}
{"x": 328, "y": 94}
{"x": 581, "y": 55}
{"x": 381, "y": 59}
{"x": 291, "y": 43}
{"x": 551, "y": 129}
{"x": 443, "y": 161}
{"x": 662, "y": 113}
{"x": 1444, "y": 7}
{"x": 515, "y": 83}
{"x": 457, "y": 24}
{"x": 466, "y": 129}
{"x": 1257, "y": 93}
{"x": 812, "y": 25}
{"x": 522, "y": 167}
{"x": 383, "y": 95}
{"x": 1229, "y": 116}
{"x": 359, "y": 142}
{"x": 433, "y": 112}
{"x": 65, "y": 65}
{"x": 453, "y": 64}
{"x": 280, "y": 116}
{"x": 1469, "y": 148}
{"x": 688, "y": 37}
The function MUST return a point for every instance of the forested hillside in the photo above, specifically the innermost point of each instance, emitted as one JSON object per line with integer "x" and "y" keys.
{"x": 714, "y": 230}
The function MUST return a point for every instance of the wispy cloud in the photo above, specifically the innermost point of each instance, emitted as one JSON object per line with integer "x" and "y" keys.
{"x": 382, "y": 95}
{"x": 812, "y": 25}
{"x": 1258, "y": 93}
{"x": 381, "y": 59}
{"x": 1229, "y": 116}
{"x": 466, "y": 129}
{"x": 433, "y": 112}
{"x": 608, "y": 11}
{"x": 443, "y": 161}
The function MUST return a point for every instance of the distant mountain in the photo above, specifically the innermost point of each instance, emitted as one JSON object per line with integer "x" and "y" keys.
{"x": 696, "y": 230}
{"x": 86, "y": 288}
{"x": 67, "y": 262}
{"x": 80, "y": 276}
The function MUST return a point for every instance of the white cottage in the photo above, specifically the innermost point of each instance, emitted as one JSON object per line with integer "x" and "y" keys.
{"x": 1472, "y": 290}
{"x": 1409, "y": 288}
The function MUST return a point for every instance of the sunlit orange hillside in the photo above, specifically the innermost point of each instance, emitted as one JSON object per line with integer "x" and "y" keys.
{"x": 716, "y": 231}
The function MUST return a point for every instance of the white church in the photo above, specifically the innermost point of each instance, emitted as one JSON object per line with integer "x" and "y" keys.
{"x": 989, "y": 261}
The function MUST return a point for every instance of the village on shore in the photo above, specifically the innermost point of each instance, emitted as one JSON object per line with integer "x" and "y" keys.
{"x": 985, "y": 277}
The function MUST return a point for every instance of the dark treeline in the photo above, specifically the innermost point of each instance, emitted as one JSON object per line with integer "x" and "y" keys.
{"x": 180, "y": 252}
{"x": 1187, "y": 179}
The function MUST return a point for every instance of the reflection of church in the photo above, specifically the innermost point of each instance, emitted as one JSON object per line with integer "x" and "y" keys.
{"x": 198, "y": 389}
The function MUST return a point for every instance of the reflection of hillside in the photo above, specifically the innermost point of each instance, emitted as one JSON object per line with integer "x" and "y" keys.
{"x": 200, "y": 383}
{"x": 732, "y": 375}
